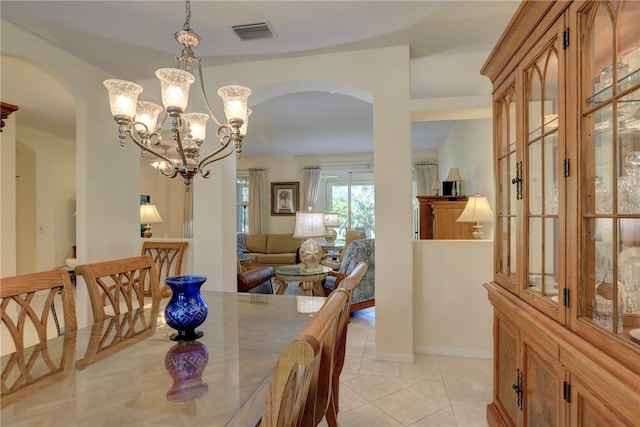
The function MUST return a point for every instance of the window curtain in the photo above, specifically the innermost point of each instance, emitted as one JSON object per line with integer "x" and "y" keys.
{"x": 257, "y": 200}
{"x": 311, "y": 186}
{"x": 426, "y": 176}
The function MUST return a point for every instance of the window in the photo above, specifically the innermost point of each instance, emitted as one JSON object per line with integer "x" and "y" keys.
{"x": 242, "y": 203}
{"x": 351, "y": 196}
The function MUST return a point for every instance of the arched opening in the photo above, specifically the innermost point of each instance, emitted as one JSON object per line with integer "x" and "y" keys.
{"x": 45, "y": 165}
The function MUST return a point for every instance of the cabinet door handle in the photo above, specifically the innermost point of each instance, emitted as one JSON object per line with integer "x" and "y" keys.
{"x": 517, "y": 387}
{"x": 518, "y": 180}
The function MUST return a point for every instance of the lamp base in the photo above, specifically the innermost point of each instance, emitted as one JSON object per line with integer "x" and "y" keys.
{"x": 147, "y": 231}
{"x": 310, "y": 255}
{"x": 331, "y": 236}
{"x": 477, "y": 232}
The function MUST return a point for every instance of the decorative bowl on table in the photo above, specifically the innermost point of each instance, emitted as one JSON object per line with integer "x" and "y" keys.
{"x": 186, "y": 310}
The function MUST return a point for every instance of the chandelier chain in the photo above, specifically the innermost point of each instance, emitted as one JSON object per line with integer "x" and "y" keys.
{"x": 187, "y": 21}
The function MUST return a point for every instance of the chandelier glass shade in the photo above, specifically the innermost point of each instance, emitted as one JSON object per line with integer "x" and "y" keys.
{"x": 143, "y": 121}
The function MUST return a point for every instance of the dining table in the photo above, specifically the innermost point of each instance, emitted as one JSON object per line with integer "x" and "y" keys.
{"x": 126, "y": 371}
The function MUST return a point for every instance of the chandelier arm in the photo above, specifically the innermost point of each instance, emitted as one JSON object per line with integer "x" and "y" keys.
{"x": 211, "y": 157}
{"x": 145, "y": 147}
{"x": 204, "y": 96}
{"x": 208, "y": 160}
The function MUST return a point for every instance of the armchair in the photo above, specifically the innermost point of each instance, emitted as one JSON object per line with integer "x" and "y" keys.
{"x": 256, "y": 281}
{"x": 360, "y": 250}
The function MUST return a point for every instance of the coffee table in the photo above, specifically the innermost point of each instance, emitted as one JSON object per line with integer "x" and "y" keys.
{"x": 310, "y": 281}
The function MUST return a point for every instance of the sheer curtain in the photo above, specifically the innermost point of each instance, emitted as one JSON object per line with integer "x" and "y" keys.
{"x": 257, "y": 200}
{"x": 426, "y": 175}
{"x": 311, "y": 186}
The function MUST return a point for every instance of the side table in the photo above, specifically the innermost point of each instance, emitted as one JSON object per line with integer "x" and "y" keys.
{"x": 332, "y": 251}
{"x": 245, "y": 263}
{"x": 310, "y": 281}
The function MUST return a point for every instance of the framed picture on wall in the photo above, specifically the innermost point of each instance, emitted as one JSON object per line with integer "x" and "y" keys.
{"x": 284, "y": 198}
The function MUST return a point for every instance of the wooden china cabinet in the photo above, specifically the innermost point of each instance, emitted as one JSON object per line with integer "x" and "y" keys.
{"x": 566, "y": 288}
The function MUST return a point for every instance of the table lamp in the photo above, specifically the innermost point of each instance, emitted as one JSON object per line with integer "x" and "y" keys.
{"x": 331, "y": 220}
{"x": 476, "y": 210}
{"x": 310, "y": 224}
{"x": 454, "y": 176}
{"x": 149, "y": 215}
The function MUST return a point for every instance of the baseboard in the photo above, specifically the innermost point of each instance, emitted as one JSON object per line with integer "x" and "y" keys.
{"x": 394, "y": 357}
{"x": 454, "y": 352}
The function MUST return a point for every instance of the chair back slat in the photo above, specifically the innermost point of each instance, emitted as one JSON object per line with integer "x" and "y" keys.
{"x": 168, "y": 259}
{"x": 26, "y": 306}
{"x": 118, "y": 286}
{"x": 300, "y": 386}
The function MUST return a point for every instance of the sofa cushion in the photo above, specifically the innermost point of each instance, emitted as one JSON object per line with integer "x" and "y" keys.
{"x": 256, "y": 242}
{"x": 276, "y": 259}
{"x": 282, "y": 244}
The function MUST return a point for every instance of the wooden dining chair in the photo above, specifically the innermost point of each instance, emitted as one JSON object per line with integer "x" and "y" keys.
{"x": 28, "y": 306}
{"x": 347, "y": 284}
{"x": 168, "y": 259}
{"x": 300, "y": 386}
{"x": 118, "y": 286}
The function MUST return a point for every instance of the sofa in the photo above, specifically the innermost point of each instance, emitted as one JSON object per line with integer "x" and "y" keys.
{"x": 269, "y": 249}
{"x": 364, "y": 295}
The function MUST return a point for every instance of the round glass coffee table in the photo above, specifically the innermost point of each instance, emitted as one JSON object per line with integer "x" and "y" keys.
{"x": 310, "y": 281}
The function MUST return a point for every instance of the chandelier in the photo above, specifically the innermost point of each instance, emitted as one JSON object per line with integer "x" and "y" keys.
{"x": 143, "y": 121}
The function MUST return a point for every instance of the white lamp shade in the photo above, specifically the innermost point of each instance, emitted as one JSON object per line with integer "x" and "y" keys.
{"x": 123, "y": 97}
{"x": 149, "y": 214}
{"x": 331, "y": 219}
{"x": 175, "y": 86}
{"x": 454, "y": 175}
{"x": 234, "y": 99}
{"x": 147, "y": 113}
{"x": 309, "y": 224}
{"x": 476, "y": 210}
{"x": 197, "y": 123}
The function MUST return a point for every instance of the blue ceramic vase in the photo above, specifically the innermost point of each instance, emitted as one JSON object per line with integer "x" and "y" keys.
{"x": 186, "y": 310}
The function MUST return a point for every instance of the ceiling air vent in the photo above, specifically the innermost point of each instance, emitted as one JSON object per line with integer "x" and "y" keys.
{"x": 257, "y": 31}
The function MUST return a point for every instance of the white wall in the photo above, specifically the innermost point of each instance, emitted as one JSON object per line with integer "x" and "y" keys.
{"x": 55, "y": 176}
{"x": 8, "y": 261}
{"x": 452, "y": 314}
{"x": 469, "y": 147}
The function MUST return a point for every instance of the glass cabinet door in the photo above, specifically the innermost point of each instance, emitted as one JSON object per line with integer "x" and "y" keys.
{"x": 543, "y": 177}
{"x": 609, "y": 289}
{"x": 508, "y": 190}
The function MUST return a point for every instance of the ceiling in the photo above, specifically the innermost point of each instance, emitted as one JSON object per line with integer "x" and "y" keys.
{"x": 449, "y": 42}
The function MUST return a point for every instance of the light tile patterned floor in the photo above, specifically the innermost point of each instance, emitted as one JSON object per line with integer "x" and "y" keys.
{"x": 433, "y": 391}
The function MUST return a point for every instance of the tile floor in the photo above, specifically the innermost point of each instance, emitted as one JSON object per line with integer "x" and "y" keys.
{"x": 433, "y": 391}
